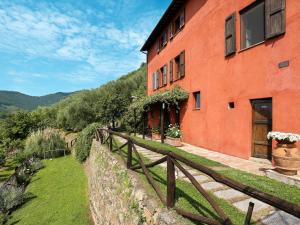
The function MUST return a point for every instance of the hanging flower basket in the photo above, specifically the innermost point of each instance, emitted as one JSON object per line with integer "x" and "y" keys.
{"x": 286, "y": 155}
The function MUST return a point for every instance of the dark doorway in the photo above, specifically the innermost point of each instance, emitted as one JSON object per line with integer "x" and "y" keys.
{"x": 261, "y": 125}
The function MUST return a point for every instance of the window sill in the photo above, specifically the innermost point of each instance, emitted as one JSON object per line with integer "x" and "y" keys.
{"x": 252, "y": 46}
{"x": 196, "y": 109}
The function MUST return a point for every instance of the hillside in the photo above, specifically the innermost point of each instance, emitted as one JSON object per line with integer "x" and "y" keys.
{"x": 11, "y": 100}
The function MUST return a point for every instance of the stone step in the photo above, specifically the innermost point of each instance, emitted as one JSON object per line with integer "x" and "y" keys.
{"x": 230, "y": 194}
{"x": 199, "y": 178}
{"x": 212, "y": 185}
{"x": 244, "y": 204}
{"x": 280, "y": 218}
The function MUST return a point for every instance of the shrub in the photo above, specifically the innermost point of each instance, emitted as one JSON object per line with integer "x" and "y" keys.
{"x": 84, "y": 142}
{"x": 2, "y": 157}
{"x": 41, "y": 141}
{"x": 173, "y": 131}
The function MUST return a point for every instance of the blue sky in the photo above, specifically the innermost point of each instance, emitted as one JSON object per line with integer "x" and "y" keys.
{"x": 48, "y": 46}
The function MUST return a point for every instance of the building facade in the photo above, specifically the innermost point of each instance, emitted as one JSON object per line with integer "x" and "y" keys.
{"x": 240, "y": 63}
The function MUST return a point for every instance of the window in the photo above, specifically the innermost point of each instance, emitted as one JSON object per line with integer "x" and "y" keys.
{"x": 180, "y": 65}
{"x": 231, "y": 105}
{"x": 164, "y": 38}
{"x": 253, "y": 24}
{"x": 179, "y": 22}
{"x": 163, "y": 71}
{"x": 162, "y": 41}
{"x": 171, "y": 34}
{"x": 197, "y": 99}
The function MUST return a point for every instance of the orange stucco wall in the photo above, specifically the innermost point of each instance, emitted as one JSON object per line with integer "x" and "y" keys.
{"x": 249, "y": 74}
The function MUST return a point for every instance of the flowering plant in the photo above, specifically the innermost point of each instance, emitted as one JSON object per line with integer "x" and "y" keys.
{"x": 155, "y": 130}
{"x": 173, "y": 131}
{"x": 283, "y": 136}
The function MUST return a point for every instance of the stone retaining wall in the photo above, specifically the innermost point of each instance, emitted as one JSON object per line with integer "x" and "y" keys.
{"x": 118, "y": 197}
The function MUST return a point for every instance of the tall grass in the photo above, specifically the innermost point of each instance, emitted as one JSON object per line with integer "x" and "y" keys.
{"x": 43, "y": 140}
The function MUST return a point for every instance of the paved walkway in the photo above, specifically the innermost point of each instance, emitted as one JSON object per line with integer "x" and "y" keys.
{"x": 262, "y": 212}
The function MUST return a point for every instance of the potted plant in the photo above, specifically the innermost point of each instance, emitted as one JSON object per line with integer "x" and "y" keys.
{"x": 173, "y": 135}
{"x": 155, "y": 133}
{"x": 286, "y": 155}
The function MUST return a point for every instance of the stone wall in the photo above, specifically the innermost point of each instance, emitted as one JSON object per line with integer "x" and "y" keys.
{"x": 118, "y": 197}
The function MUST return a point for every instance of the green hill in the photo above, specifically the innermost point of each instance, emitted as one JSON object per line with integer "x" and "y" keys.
{"x": 11, "y": 100}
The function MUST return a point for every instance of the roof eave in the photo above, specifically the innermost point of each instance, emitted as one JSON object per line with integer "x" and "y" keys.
{"x": 172, "y": 10}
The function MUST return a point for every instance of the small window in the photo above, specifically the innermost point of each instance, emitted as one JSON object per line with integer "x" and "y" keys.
{"x": 179, "y": 22}
{"x": 231, "y": 105}
{"x": 177, "y": 67}
{"x": 253, "y": 24}
{"x": 171, "y": 34}
{"x": 163, "y": 71}
{"x": 164, "y": 39}
{"x": 197, "y": 99}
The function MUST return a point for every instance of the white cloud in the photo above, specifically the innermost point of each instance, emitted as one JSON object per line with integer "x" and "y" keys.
{"x": 107, "y": 48}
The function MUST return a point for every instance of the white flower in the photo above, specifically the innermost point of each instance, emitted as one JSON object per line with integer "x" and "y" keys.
{"x": 283, "y": 136}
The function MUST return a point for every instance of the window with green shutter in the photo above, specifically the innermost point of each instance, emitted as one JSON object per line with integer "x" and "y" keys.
{"x": 260, "y": 21}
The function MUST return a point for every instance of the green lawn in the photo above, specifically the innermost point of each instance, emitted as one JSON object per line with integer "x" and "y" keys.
{"x": 263, "y": 183}
{"x": 60, "y": 196}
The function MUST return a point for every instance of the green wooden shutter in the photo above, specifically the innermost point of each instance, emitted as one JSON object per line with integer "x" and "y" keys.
{"x": 171, "y": 70}
{"x": 171, "y": 32}
{"x": 153, "y": 81}
{"x": 274, "y": 18}
{"x": 182, "y": 64}
{"x": 230, "y": 40}
{"x": 182, "y": 18}
{"x": 157, "y": 46}
{"x": 165, "y": 71}
{"x": 157, "y": 79}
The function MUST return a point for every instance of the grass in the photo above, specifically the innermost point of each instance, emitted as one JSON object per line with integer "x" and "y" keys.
{"x": 187, "y": 197}
{"x": 7, "y": 170}
{"x": 60, "y": 196}
{"x": 276, "y": 188}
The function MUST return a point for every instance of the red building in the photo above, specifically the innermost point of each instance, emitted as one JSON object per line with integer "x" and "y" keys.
{"x": 240, "y": 63}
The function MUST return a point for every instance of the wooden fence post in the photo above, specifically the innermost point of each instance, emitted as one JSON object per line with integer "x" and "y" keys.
{"x": 249, "y": 214}
{"x": 97, "y": 135}
{"x": 162, "y": 124}
{"x": 129, "y": 154}
{"x": 171, "y": 183}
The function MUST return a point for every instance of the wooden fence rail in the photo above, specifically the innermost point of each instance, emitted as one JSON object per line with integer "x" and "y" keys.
{"x": 173, "y": 159}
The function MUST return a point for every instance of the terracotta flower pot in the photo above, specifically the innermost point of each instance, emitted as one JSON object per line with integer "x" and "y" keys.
{"x": 155, "y": 136}
{"x": 174, "y": 141}
{"x": 286, "y": 157}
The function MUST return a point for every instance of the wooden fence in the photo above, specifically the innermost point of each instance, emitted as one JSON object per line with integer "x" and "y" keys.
{"x": 173, "y": 159}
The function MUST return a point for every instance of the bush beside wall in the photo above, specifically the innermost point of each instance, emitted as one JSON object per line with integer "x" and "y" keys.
{"x": 84, "y": 142}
